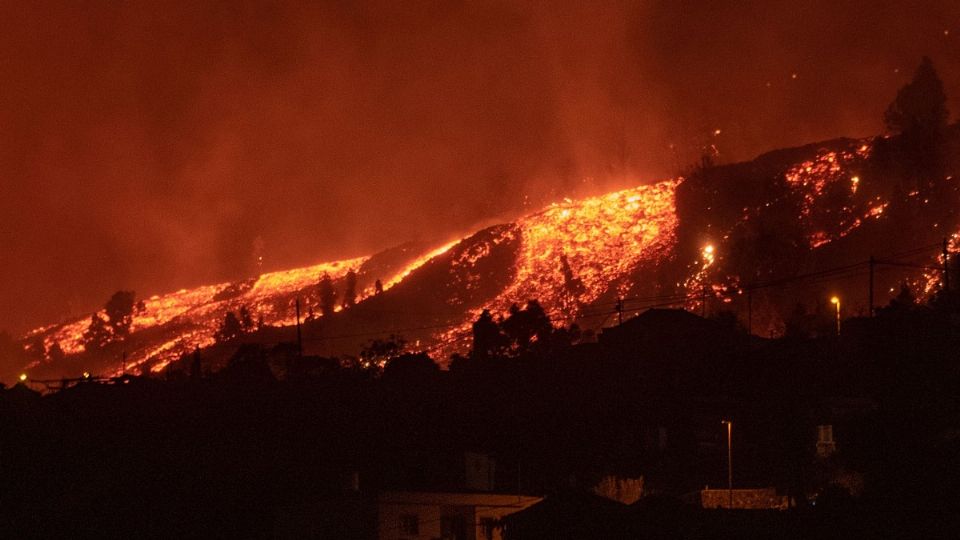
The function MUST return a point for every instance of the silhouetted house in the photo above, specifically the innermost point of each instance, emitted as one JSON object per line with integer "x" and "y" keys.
{"x": 21, "y": 395}
{"x": 312, "y": 367}
{"x": 672, "y": 350}
{"x": 661, "y": 517}
{"x": 659, "y": 327}
{"x": 248, "y": 366}
{"x": 570, "y": 515}
{"x": 410, "y": 515}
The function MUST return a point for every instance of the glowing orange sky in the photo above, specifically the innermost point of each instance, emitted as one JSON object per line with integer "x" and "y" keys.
{"x": 152, "y": 146}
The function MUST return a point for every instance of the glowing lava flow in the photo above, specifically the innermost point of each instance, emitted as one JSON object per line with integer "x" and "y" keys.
{"x": 417, "y": 263}
{"x": 574, "y": 252}
{"x": 813, "y": 179}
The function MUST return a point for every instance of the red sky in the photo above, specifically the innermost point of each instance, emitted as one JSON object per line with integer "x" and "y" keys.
{"x": 151, "y": 146}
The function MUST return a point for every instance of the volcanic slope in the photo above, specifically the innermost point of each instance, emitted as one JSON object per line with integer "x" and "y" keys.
{"x": 700, "y": 242}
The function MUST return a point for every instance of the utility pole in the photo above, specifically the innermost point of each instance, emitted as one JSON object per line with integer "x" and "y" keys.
{"x": 750, "y": 311}
{"x": 946, "y": 266}
{"x": 619, "y": 311}
{"x": 299, "y": 335}
{"x": 729, "y": 463}
{"x": 123, "y": 363}
{"x": 873, "y": 263}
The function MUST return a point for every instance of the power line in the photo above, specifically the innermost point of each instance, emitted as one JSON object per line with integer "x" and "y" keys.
{"x": 843, "y": 272}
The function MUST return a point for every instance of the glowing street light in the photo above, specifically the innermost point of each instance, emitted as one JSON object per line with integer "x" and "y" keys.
{"x": 836, "y": 301}
{"x": 729, "y": 462}
{"x": 23, "y": 377}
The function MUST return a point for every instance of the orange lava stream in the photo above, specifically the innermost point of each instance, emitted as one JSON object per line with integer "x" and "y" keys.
{"x": 420, "y": 261}
{"x": 197, "y": 313}
{"x": 814, "y": 177}
{"x": 574, "y": 252}
{"x": 601, "y": 238}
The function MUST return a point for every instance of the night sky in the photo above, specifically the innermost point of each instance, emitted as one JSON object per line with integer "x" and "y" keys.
{"x": 154, "y": 146}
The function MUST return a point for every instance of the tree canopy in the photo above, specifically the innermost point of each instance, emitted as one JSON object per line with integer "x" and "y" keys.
{"x": 230, "y": 329}
{"x": 119, "y": 310}
{"x": 328, "y": 297}
{"x": 920, "y": 108}
{"x": 350, "y": 289}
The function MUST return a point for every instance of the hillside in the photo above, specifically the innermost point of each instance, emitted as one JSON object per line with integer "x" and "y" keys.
{"x": 735, "y": 237}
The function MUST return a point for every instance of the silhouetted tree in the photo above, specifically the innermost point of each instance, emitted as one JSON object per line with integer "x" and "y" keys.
{"x": 328, "y": 297}
{"x": 488, "y": 340}
{"x": 410, "y": 369}
{"x": 230, "y": 329}
{"x": 919, "y": 113}
{"x": 97, "y": 334}
{"x": 55, "y": 353}
{"x": 904, "y": 301}
{"x": 920, "y": 108}
{"x": 378, "y": 286}
{"x": 246, "y": 320}
{"x": 379, "y": 351}
{"x": 573, "y": 284}
{"x": 350, "y": 289}
{"x": 119, "y": 310}
{"x": 524, "y": 327}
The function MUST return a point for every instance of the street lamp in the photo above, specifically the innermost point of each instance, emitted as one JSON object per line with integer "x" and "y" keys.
{"x": 836, "y": 301}
{"x": 729, "y": 462}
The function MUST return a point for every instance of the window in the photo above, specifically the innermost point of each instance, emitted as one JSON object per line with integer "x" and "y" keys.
{"x": 409, "y": 524}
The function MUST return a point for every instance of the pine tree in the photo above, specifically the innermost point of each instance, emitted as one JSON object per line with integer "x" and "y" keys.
{"x": 328, "y": 297}
{"x": 55, "y": 353}
{"x": 350, "y": 289}
{"x": 119, "y": 309}
{"x": 97, "y": 334}
{"x": 488, "y": 340}
{"x": 920, "y": 108}
{"x": 920, "y": 114}
{"x": 230, "y": 329}
{"x": 246, "y": 320}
